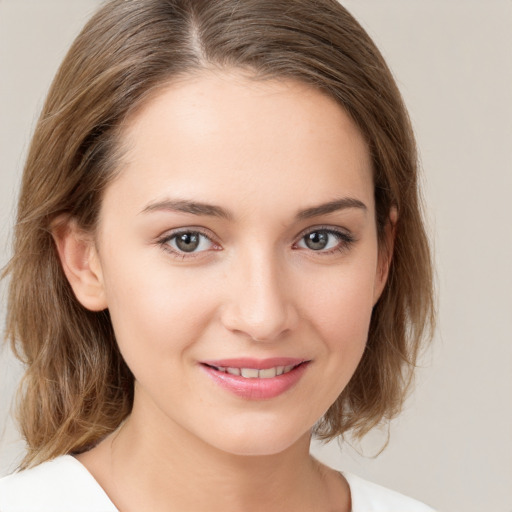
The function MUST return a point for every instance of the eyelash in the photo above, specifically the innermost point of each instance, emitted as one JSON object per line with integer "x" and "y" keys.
{"x": 345, "y": 241}
{"x": 164, "y": 243}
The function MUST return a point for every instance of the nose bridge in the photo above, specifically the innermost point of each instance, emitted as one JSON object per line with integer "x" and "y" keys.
{"x": 259, "y": 304}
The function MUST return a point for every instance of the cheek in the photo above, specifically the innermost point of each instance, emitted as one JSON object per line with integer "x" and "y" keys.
{"x": 154, "y": 310}
{"x": 340, "y": 308}
{"x": 344, "y": 320}
{"x": 342, "y": 300}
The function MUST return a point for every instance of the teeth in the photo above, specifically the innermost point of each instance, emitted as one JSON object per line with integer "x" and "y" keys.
{"x": 267, "y": 374}
{"x": 253, "y": 373}
{"x": 249, "y": 373}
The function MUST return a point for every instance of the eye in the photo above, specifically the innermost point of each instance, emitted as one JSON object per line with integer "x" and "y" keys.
{"x": 325, "y": 240}
{"x": 187, "y": 242}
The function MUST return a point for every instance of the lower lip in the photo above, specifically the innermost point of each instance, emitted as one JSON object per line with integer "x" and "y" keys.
{"x": 257, "y": 389}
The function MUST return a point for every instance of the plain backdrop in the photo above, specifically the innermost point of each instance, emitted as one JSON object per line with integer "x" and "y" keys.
{"x": 452, "y": 447}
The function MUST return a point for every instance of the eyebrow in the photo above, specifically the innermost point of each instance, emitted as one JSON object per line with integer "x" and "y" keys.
{"x": 210, "y": 210}
{"x": 331, "y": 207}
{"x": 187, "y": 206}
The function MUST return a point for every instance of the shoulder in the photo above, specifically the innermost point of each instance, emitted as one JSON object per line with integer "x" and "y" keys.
{"x": 60, "y": 485}
{"x": 370, "y": 497}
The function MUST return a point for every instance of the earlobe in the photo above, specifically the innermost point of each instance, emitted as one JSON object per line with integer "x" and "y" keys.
{"x": 80, "y": 262}
{"x": 385, "y": 254}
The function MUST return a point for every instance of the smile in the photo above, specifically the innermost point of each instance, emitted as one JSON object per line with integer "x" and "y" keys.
{"x": 253, "y": 379}
{"x": 254, "y": 373}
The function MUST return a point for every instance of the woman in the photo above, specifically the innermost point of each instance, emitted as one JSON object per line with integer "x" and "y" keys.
{"x": 219, "y": 252}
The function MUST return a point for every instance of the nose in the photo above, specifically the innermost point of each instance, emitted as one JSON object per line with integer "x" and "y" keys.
{"x": 259, "y": 303}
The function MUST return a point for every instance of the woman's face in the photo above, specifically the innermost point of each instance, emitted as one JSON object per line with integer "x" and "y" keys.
{"x": 237, "y": 243}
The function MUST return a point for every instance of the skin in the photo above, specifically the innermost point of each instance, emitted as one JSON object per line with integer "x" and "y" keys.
{"x": 262, "y": 151}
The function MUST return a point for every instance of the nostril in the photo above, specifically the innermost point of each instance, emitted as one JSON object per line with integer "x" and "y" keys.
{"x": 260, "y": 313}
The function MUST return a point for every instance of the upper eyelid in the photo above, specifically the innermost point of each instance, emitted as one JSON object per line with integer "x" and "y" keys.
{"x": 331, "y": 229}
{"x": 163, "y": 243}
{"x": 345, "y": 240}
{"x": 169, "y": 235}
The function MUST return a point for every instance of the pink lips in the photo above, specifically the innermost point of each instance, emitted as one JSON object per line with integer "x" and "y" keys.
{"x": 256, "y": 388}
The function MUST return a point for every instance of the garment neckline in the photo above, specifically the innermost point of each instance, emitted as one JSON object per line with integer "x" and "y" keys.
{"x": 90, "y": 477}
{"x": 101, "y": 490}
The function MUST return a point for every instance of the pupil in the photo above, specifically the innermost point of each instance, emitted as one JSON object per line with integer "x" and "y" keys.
{"x": 317, "y": 240}
{"x": 187, "y": 242}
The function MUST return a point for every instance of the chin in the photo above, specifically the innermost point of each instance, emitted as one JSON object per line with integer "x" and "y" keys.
{"x": 259, "y": 442}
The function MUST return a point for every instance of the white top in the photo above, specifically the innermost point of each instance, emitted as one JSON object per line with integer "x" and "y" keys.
{"x": 65, "y": 485}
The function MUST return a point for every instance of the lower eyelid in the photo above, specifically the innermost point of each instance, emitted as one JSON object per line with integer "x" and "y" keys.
{"x": 165, "y": 240}
{"x": 342, "y": 236}
{"x": 345, "y": 240}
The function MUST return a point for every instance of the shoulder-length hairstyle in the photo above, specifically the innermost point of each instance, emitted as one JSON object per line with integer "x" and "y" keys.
{"x": 77, "y": 387}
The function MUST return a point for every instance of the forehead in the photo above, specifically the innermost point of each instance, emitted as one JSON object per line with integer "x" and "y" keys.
{"x": 243, "y": 141}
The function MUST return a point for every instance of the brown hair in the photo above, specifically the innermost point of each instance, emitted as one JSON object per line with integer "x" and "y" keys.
{"x": 77, "y": 388}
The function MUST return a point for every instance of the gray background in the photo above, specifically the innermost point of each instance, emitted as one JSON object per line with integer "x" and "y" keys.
{"x": 452, "y": 447}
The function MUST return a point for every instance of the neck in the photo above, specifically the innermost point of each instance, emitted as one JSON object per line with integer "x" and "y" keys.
{"x": 175, "y": 470}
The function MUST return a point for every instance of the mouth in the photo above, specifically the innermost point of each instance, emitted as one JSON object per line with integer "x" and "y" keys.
{"x": 255, "y": 373}
{"x": 256, "y": 379}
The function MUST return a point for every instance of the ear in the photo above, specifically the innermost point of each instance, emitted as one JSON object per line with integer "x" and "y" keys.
{"x": 80, "y": 262}
{"x": 385, "y": 254}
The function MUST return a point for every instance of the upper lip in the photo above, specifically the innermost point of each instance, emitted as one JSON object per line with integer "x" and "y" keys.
{"x": 258, "y": 364}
